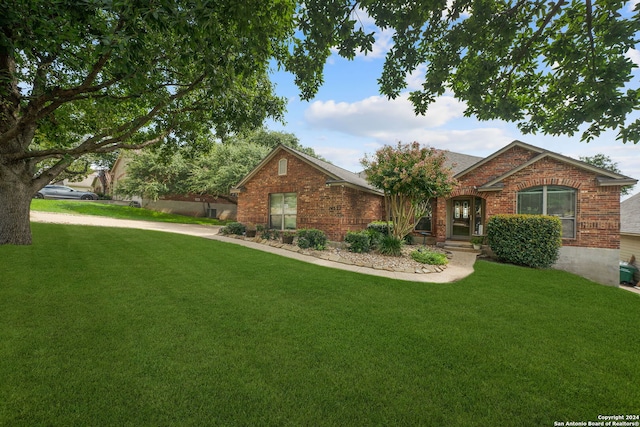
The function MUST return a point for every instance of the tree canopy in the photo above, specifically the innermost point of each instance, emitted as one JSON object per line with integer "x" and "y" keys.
{"x": 154, "y": 174}
{"x": 557, "y": 67}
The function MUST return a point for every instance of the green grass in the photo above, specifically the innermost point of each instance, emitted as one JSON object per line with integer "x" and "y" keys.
{"x": 115, "y": 211}
{"x": 104, "y": 326}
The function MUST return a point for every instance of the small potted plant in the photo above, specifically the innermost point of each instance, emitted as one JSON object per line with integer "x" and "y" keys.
{"x": 250, "y": 230}
{"x": 287, "y": 237}
{"x": 477, "y": 242}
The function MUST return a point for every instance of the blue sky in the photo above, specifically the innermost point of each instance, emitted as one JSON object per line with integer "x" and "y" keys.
{"x": 349, "y": 118}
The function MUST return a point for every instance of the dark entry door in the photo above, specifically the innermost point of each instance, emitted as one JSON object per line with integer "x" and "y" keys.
{"x": 461, "y": 216}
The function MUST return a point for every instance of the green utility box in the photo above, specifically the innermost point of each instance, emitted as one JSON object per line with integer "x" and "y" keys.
{"x": 626, "y": 273}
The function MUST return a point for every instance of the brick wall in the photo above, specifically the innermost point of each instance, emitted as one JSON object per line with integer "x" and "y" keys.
{"x": 598, "y": 208}
{"x": 333, "y": 209}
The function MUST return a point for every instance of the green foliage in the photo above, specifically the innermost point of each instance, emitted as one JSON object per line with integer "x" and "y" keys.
{"x": 312, "y": 238}
{"x": 529, "y": 240}
{"x": 382, "y": 227}
{"x": 269, "y": 234}
{"x": 552, "y": 67}
{"x": 358, "y": 241}
{"x": 236, "y": 228}
{"x": 425, "y": 256}
{"x": 477, "y": 240}
{"x": 391, "y": 245}
{"x": 154, "y": 173}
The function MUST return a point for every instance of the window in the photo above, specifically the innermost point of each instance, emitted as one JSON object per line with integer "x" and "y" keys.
{"x": 282, "y": 167}
{"x": 283, "y": 208}
{"x": 425, "y": 222}
{"x": 551, "y": 200}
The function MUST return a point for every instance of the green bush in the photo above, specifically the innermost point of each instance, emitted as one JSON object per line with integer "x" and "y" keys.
{"x": 426, "y": 256}
{"x": 359, "y": 241}
{"x": 382, "y": 227}
{"x": 529, "y": 240}
{"x": 390, "y": 245}
{"x": 270, "y": 234}
{"x": 235, "y": 228}
{"x": 312, "y": 238}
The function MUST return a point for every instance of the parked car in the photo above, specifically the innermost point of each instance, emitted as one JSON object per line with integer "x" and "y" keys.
{"x": 64, "y": 192}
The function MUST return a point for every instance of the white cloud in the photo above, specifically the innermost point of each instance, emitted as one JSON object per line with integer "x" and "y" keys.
{"x": 634, "y": 55}
{"x": 632, "y": 4}
{"x": 416, "y": 78}
{"x": 377, "y": 115}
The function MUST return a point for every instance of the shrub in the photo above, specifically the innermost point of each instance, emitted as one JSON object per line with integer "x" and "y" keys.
{"x": 359, "y": 241}
{"x": 234, "y": 228}
{"x": 382, "y": 227}
{"x": 312, "y": 238}
{"x": 529, "y": 240}
{"x": 374, "y": 238}
{"x": 391, "y": 245}
{"x": 269, "y": 234}
{"x": 426, "y": 256}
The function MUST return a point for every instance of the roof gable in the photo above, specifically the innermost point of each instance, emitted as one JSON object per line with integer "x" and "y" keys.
{"x": 604, "y": 177}
{"x": 337, "y": 175}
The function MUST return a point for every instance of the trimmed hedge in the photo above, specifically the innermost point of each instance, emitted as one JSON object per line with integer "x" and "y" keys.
{"x": 358, "y": 241}
{"x": 529, "y": 240}
{"x": 382, "y": 227}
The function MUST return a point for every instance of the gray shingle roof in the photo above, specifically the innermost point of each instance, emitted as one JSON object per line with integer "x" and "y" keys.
{"x": 337, "y": 172}
{"x": 459, "y": 162}
{"x": 630, "y": 215}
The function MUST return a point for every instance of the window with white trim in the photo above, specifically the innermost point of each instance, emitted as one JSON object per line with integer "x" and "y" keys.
{"x": 283, "y": 210}
{"x": 282, "y": 167}
{"x": 551, "y": 200}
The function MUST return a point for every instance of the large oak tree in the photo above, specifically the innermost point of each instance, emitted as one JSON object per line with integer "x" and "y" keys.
{"x": 94, "y": 76}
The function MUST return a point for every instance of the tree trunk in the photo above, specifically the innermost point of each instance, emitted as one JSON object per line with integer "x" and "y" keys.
{"x": 15, "y": 203}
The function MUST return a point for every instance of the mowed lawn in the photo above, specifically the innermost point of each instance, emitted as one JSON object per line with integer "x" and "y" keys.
{"x": 104, "y": 326}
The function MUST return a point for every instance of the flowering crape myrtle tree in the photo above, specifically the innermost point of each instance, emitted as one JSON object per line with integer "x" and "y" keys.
{"x": 410, "y": 176}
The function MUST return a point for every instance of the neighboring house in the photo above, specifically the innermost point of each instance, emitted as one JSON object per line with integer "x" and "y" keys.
{"x": 88, "y": 183}
{"x": 197, "y": 205}
{"x": 290, "y": 190}
{"x": 630, "y": 231}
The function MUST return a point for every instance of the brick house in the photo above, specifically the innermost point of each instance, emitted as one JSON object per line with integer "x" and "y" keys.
{"x": 292, "y": 190}
{"x": 289, "y": 189}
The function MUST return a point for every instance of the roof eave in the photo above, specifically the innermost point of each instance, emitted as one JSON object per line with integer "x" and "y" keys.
{"x": 343, "y": 183}
{"x": 605, "y": 182}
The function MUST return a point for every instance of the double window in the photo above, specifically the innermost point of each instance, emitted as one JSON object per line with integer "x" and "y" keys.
{"x": 551, "y": 200}
{"x": 283, "y": 209}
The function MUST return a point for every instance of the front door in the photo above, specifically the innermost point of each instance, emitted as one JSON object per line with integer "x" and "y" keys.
{"x": 465, "y": 216}
{"x": 461, "y": 217}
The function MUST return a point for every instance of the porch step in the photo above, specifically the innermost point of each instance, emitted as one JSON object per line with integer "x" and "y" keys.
{"x": 460, "y": 246}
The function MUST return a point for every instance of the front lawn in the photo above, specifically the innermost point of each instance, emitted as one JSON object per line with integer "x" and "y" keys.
{"x": 97, "y": 208}
{"x": 103, "y": 326}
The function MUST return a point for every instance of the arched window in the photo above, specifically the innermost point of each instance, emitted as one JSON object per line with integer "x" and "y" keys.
{"x": 282, "y": 167}
{"x": 551, "y": 200}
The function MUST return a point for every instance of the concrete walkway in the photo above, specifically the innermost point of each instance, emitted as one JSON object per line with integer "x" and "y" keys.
{"x": 460, "y": 265}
